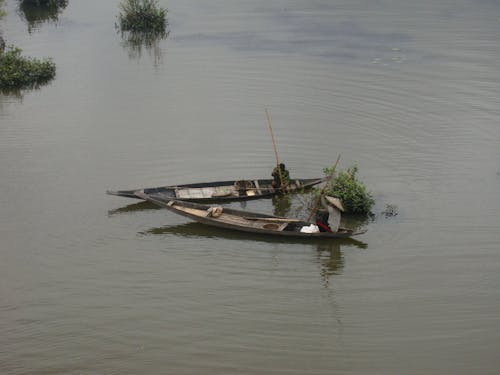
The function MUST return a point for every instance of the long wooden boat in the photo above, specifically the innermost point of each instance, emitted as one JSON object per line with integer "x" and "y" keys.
{"x": 244, "y": 221}
{"x": 219, "y": 191}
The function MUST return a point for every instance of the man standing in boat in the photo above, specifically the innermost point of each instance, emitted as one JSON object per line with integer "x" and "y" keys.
{"x": 281, "y": 177}
{"x": 328, "y": 219}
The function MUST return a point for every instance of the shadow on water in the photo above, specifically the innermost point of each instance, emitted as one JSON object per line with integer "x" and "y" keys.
{"x": 18, "y": 93}
{"x": 136, "y": 42}
{"x": 282, "y": 204}
{"x": 331, "y": 259}
{"x": 198, "y": 230}
{"x": 12, "y": 93}
{"x": 328, "y": 252}
{"x": 134, "y": 207}
{"x": 35, "y": 15}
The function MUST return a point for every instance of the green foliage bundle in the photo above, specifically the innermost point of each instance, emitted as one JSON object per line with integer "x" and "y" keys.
{"x": 17, "y": 71}
{"x": 355, "y": 198}
{"x": 142, "y": 16}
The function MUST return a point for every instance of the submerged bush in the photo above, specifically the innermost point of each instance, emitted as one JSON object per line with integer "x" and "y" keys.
{"x": 143, "y": 16}
{"x": 356, "y": 199}
{"x": 17, "y": 71}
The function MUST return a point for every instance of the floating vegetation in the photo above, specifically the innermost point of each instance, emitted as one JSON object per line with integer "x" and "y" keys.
{"x": 346, "y": 186}
{"x": 390, "y": 210}
{"x": 142, "y": 16}
{"x": 36, "y": 12}
{"x": 142, "y": 24}
{"x": 18, "y": 72}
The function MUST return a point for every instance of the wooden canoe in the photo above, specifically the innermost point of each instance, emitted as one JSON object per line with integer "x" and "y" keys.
{"x": 245, "y": 221}
{"x": 219, "y": 191}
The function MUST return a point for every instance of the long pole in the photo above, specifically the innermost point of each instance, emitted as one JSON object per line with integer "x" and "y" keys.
{"x": 315, "y": 207}
{"x": 275, "y": 148}
{"x": 272, "y": 137}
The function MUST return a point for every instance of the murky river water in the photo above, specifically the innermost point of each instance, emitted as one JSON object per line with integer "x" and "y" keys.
{"x": 409, "y": 90}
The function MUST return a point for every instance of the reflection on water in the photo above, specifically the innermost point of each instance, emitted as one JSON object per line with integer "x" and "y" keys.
{"x": 12, "y": 93}
{"x": 329, "y": 253}
{"x": 35, "y": 15}
{"x": 296, "y": 205}
{"x": 356, "y": 221}
{"x": 331, "y": 258}
{"x": 134, "y": 207}
{"x": 135, "y": 42}
{"x": 18, "y": 93}
{"x": 194, "y": 229}
{"x": 282, "y": 205}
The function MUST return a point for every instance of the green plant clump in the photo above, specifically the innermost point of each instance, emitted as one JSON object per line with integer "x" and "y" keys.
{"x": 356, "y": 199}
{"x": 142, "y": 16}
{"x": 17, "y": 71}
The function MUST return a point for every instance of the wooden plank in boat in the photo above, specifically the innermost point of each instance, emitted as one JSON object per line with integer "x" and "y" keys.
{"x": 192, "y": 211}
{"x": 194, "y": 193}
{"x": 223, "y": 191}
{"x": 259, "y": 224}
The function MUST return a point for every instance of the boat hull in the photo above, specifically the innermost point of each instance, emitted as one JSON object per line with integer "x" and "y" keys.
{"x": 244, "y": 221}
{"x": 219, "y": 191}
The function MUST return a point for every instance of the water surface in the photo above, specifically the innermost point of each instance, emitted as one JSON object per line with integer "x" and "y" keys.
{"x": 98, "y": 284}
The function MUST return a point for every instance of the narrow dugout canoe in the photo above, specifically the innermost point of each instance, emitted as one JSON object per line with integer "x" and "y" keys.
{"x": 218, "y": 191}
{"x": 244, "y": 221}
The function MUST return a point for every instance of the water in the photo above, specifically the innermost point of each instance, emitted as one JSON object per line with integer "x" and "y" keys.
{"x": 98, "y": 284}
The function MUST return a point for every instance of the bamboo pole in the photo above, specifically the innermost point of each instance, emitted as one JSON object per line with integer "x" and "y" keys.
{"x": 315, "y": 207}
{"x": 275, "y": 148}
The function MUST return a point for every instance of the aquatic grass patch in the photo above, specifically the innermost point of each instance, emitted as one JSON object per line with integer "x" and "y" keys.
{"x": 142, "y": 24}
{"x": 142, "y": 16}
{"x": 17, "y": 71}
{"x": 346, "y": 186}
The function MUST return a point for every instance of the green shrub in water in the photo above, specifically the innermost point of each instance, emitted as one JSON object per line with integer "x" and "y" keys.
{"x": 142, "y": 15}
{"x": 17, "y": 71}
{"x": 356, "y": 199}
